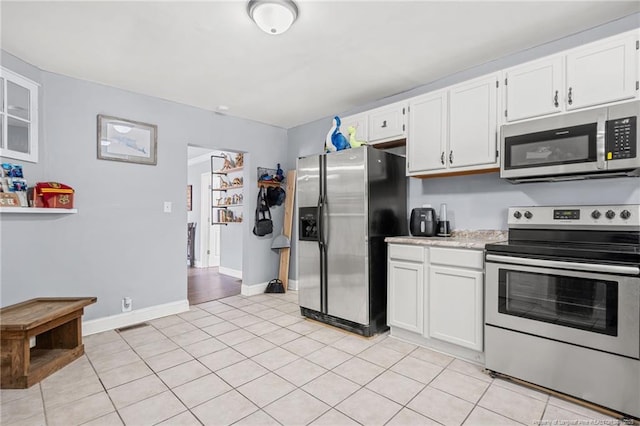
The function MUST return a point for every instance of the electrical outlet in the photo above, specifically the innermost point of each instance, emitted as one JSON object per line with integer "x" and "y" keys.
{"x": 126, "y": 304}
{"x": 167, "y": 206}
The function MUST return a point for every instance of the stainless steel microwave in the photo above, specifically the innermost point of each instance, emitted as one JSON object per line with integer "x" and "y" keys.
{"x": 600, "y": 142}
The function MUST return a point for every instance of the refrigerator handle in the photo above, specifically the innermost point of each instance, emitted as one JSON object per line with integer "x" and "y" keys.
{"x": 319, "y": 209}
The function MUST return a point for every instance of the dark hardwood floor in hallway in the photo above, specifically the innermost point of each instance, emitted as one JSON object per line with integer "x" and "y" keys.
{"x": 206, "y": 284}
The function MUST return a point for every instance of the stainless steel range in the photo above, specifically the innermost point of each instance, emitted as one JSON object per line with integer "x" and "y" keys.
{"x": 563, "y": 302}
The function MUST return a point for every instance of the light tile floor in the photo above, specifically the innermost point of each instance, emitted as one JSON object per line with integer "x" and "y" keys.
{"x": 256, "y": 361}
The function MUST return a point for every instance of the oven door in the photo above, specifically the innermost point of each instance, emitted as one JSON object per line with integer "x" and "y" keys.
{"x": 595, "y": 306}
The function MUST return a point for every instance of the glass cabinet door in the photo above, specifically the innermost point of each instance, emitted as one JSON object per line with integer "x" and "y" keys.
{"x": 18, "y": 117}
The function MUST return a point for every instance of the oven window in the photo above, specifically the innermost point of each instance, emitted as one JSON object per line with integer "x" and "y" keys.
{"x": 564, "y": 146}
{"x": 582, "y": 303}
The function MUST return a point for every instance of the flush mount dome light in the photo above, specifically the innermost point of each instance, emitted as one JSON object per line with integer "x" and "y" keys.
{"x": 273, "y": 16}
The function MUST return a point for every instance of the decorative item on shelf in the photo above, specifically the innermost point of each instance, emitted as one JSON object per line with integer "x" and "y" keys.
{"x": 351, "y": 131}
{"x": 9, "y": 199}
{"x": 51, "y": 195}
{"x": 270, "y": 177}
{"x": 224, "y": 183}
{"x": 335, "y": 141}
{"x": 239, "y": 159}
{"x": 12, "y": 182}
{"x": 228, "y": 162}
{"x": 236, "y": 181}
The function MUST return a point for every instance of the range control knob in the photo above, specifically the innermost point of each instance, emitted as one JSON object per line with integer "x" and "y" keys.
{"x": 517, "y": 214}
{"x": 625, "y": 214}
{"x": 528, "y": 214}
{"x": 596, "y": 214}
{"x": 610, "y": 214}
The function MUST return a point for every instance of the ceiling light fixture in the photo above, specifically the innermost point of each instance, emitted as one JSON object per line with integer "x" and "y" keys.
{"x": 273, "y": 16}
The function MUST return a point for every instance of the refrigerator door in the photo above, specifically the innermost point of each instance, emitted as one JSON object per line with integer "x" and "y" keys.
{"x": 345, "y": 227}
{"x": 309, "y": 252}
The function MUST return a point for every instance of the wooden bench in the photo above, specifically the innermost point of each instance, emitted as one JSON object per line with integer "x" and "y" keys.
{"x": 56, "y": 324}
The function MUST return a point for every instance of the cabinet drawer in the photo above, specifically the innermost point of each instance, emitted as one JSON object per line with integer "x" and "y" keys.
{"x": 406, "y": 252}
{"x": 461, "y": 258}
{"x": 387, "y": 123}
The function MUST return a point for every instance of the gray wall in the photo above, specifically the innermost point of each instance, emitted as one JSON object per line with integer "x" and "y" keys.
{"x": 480, "y": 201}
{"x": 121, "y": 243}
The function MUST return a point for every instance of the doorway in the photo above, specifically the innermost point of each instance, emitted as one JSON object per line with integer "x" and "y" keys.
{"x": 211, "y": 276}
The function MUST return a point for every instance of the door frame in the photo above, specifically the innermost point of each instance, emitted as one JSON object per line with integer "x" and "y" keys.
{"x": 209, "y": 250}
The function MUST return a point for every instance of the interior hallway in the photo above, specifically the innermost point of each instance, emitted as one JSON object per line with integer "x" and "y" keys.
{"x": 207, "y": 284}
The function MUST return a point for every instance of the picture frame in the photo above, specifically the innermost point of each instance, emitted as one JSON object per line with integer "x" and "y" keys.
{"x": 189, "y": 197}
{"x": 125, "y": 140}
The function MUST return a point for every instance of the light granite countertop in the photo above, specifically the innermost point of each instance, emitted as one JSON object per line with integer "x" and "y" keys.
{"x": 461, "y": 239}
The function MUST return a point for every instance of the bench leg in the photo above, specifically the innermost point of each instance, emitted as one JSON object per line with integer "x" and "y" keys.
{"x": 14, "y": 363}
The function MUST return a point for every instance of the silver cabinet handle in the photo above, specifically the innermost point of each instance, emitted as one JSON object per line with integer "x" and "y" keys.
{"x": 570, "y": 99}
{"x": 442, "y": 157}
{"x": 555, "y": 100}
{"x": 451, "y": 157}
{"x": 384, "y": 124}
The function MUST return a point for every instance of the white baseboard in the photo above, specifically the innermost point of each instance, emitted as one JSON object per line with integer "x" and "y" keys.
{"x": 252, "y": 290}
{"x": 198, "y": 264}
{"x": 292, "y": 285}
{"x": 231, "y": 272}
{"x": 134, "y": 317}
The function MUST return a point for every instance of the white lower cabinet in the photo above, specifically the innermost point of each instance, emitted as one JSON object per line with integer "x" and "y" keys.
{"x": 435, "y": 298}
{"x": 455, "y": 306}
{"x": 405, "y": 287}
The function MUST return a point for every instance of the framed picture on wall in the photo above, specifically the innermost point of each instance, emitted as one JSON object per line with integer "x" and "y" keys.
{"x": 189, "y": 197}
{"x": 126, "y": 140}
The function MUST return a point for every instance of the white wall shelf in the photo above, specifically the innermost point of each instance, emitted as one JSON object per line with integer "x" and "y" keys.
{"x": 36, "y": 210}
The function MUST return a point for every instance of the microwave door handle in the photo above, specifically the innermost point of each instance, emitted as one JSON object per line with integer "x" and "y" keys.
{"x": 600, "y": 142}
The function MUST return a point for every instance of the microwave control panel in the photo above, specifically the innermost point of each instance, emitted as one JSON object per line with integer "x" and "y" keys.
{"x": 621, "y": 138}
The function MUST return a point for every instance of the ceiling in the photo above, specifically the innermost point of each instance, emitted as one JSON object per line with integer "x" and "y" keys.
{"x": 338, "y": 54}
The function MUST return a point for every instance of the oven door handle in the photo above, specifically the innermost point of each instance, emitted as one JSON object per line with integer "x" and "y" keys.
{"x": 612, "y": 269}
{"x": 600, "y": 142}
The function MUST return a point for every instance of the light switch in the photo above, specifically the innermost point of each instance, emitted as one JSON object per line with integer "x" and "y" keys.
{"x": 167, "y": 206}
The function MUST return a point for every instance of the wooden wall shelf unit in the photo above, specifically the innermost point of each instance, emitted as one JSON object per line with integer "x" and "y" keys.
{"x": 36, "y": 210}
{"x": 217, "y": 210}
{"x": 56, "y": 324}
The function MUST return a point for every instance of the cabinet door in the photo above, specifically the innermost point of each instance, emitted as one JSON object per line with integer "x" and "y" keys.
{"x": 427, "y": 138}
{"x": 360, "y": 122}
{"x": 405, "y": 293}
{"x": 534, "y": 89}
{"x": 473, "y": 123}
{"x": 602, "y": 72}
{"x": 455, "y": 306}
{"x": 387, "y": 123}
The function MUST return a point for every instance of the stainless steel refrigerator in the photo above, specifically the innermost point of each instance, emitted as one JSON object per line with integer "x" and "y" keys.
{"x": 348, "y": 202}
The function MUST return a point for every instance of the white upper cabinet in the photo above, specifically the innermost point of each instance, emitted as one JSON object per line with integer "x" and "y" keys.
{"x": 454, "y": 129}
{"x": 427, "y": 141}
{"x": 594, "y": 74}
{"x": 602, "y": 72}
{"x": 534, "y": 89}
{"x": 473, "y": 123}
{"x": 387, "y": 123}
{"x": 359, "y": 122}
{"x": 18, "y": 117}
